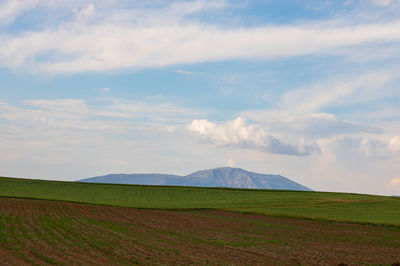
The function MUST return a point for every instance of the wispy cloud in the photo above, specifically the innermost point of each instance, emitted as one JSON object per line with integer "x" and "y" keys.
{"x": 80, "y": 45}
{"x": 76, "y": 114}
{"x": 102, "y": 90}
{"x": 316, "y": 98}
{"x": 44, "y": 138}
{"x": 10, "y": 9}
{"x": 321, "y": 125}
{"x": 74, "y": 106}
{"x": 180, "y": 71}
{"x": 384, "y": 2}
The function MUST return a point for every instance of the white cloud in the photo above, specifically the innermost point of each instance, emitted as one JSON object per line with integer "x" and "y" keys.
{"x": 75, "y": 115}
{"x": 393, "y": 186}
{"x": 10, "y": 9}
{"x": 67, "y": 138}
{"x": 386, "y": 112}
{"x": 395, "y": 181}
{"x": 86, "y": 12}
{"x": 102, "y": 90}
{"x": 183, "y": 72}
{"x": 149, "y": 111}
{"x": 72, "y": 138}
{"x": 394, "y": 144}
{"x": 74, "y": 106}
{"x": 384, "y": 2}
{"x": 70, "y": 116}
{"x": 351, "y": 90}
{"x": 321, "y": 125}
{"x": 369, "y": 53}
{"x": 155, "y": 111}
{"x": 375, "y": 148}
{"x": 299, "y": 136}
{"x": 139, "y": 39}
{"x": 185, "y": 8}
{"x": 383, "y": 148}
{"x": 237, "y": 133}
{"x": 231, "y": 162}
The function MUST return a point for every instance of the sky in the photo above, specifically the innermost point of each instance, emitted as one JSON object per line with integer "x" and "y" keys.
{"x": 305, "y": 89}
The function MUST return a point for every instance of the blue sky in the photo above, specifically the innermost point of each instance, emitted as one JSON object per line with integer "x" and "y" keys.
{"x": 306, "y": 89}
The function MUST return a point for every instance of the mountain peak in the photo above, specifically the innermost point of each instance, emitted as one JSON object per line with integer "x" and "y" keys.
{"x": 222, "y": 169}
{"x": 215, "y": 177}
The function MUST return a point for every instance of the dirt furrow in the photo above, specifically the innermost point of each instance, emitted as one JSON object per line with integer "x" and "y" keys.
{"x": 41, "y": 232}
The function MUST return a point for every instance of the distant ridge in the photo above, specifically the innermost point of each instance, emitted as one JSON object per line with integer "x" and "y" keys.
{"x": 217, "y": 177}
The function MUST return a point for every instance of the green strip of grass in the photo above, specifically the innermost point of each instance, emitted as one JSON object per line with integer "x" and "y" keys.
{"x": 347, "y": 207}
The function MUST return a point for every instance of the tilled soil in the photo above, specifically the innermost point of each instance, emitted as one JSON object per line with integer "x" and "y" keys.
{"x": 39, "y": 232}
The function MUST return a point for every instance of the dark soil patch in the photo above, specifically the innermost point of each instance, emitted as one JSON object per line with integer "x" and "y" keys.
{"x": 49, "y": 232}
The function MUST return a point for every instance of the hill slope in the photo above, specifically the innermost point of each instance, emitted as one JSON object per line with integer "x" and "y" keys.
{"x": 218, "y": 177}
{"x": 303, "y": 204}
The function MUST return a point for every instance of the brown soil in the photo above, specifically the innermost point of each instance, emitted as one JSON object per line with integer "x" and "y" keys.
{"x": 40, "y": 232}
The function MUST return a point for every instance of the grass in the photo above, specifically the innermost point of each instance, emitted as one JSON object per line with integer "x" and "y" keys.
{"x": 356, "y": 208}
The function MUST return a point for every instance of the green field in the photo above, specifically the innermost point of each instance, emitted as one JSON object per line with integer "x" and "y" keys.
{"x": 346, "y": 207}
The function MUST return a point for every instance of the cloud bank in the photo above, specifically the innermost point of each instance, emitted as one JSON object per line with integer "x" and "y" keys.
{"x": 297, "y": 136}
{"x": 237, "y": 133}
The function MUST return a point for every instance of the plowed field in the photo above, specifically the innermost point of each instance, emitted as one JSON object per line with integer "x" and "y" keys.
{"x": 51, "y": 232}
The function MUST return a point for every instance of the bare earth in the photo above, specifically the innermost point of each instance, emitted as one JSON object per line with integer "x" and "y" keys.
{"x": 49, "y": 232}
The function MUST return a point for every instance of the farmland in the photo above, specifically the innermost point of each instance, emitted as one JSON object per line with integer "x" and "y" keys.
{"x": 63, "y": 223}
{"x": 355, "y": 208}
{"x": 53, "y": 232}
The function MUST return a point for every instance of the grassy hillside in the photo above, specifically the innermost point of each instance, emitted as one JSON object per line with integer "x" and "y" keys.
{"x": 315, "y": 205}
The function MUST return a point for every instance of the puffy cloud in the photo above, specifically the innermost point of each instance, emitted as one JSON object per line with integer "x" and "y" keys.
{"x": 237, "y": 133}
{"x": 321, "y": 125}
{"x": 298, "y": 136}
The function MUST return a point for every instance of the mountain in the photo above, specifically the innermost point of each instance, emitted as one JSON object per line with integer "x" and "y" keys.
{"x": 239, "y": 178}
{"x": 218, "y": 177}
{"x": 133, "y": 179}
